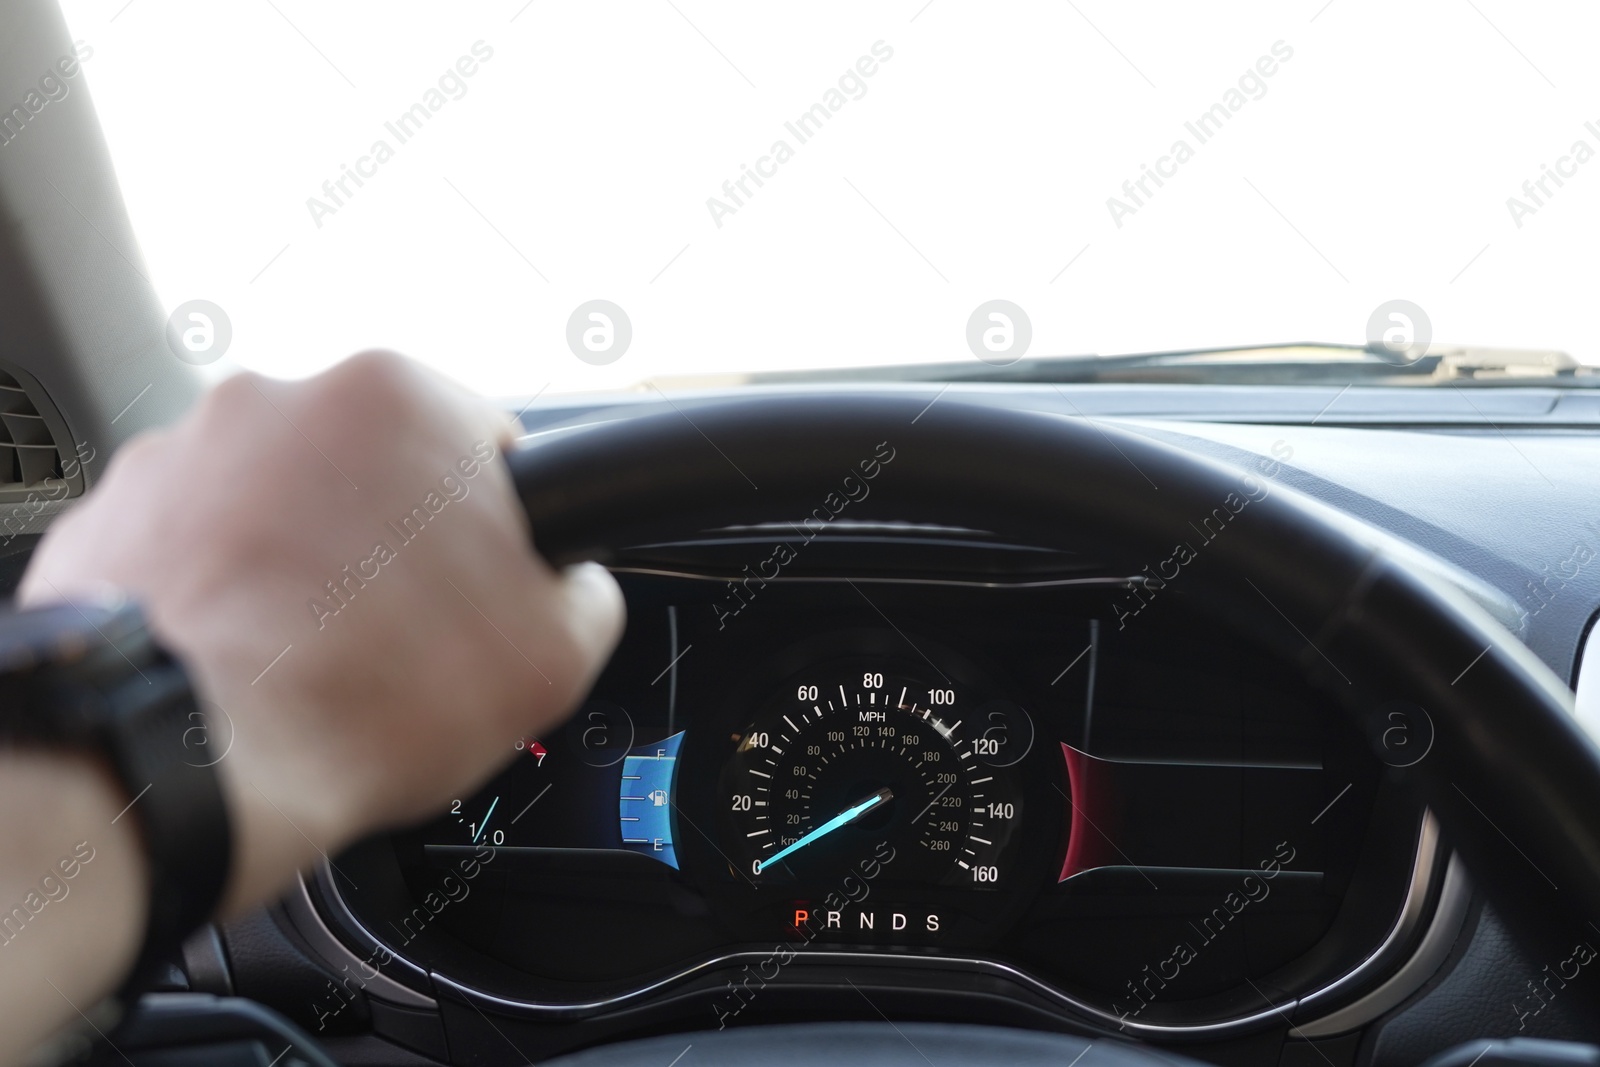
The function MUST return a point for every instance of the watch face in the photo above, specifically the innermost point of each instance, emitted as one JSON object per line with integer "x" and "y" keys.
{"x": 67, "y": 633}
{"x": 60, "y": 662}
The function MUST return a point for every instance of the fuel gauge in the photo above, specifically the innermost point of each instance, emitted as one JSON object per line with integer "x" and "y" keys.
{"x": 646, "y": 803}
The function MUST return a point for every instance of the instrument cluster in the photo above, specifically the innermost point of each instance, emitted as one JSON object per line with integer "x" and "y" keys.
{"x": 1145, "y": 820}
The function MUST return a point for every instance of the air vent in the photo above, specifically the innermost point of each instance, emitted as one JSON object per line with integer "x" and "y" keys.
{"x": 36, "y": 459}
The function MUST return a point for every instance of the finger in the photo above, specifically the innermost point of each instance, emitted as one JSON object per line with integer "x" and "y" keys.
{"x": 595, "y": 610}
{"x": 509, "y": 430}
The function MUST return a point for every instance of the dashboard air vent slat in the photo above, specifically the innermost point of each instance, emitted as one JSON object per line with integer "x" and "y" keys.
{"x": 36, "y": 458}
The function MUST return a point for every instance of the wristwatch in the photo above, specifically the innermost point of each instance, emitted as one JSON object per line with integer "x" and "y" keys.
{"x": 91, "y": 678}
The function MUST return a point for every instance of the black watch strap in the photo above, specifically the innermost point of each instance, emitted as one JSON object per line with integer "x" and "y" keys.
{"x": 93, "y": 678}
{"x": 161, "y": 746}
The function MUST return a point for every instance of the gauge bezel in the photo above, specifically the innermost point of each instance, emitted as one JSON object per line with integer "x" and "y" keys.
{"x": 842, "y": 727}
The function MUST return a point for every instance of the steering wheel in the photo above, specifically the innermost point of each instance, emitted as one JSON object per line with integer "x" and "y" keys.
{"x": 1513, "y": 779}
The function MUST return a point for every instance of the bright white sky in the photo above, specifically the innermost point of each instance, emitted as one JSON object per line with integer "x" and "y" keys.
{"x": 977, "y": 166}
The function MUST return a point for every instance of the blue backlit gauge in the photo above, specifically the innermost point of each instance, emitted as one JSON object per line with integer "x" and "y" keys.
{"x": 649, "y": 776}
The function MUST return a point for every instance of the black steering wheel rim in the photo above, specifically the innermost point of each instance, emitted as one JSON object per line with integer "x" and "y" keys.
{"x": 1513, "y": 778}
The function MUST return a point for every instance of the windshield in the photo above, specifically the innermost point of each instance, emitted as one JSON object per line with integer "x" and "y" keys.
{"x": 534, "y": 195}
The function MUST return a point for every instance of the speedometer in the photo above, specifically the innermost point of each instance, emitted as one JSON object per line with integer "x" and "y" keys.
{"x": 851, "y": 757}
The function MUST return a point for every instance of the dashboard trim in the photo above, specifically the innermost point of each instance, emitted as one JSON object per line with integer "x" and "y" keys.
{"x": 1100, "y": 581}
{"x": 1454, "y": 897}
{"x": 1410, "y": 912}
{"x": 308, "y": 921}
{"x": 1410, "y": 976}
{"x": 945, "y": 962}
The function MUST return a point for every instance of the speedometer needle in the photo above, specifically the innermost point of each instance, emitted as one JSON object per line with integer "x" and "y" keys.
{"x": 844, "y": 818}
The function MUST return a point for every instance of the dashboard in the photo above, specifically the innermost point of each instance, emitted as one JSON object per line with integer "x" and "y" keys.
{"x": 1137, "y": 820}
{"x": 1176, "y": 834}
{"x": 1185, "y": 839}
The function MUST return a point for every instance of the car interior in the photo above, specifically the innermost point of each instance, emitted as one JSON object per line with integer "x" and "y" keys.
{"x": 1221, "y": 705}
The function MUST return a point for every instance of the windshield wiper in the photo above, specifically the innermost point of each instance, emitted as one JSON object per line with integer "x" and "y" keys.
{"x": 1307, "y": 363}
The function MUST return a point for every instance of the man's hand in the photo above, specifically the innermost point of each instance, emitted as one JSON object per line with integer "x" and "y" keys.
{"x": 343, "y": 566}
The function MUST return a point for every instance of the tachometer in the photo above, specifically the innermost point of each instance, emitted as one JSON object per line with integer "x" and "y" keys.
{"x": 851, "y": 757}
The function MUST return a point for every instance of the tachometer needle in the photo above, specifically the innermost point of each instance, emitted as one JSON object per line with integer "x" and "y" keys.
{"x": 485, "y": 823}
{"x": 844, "y": 818}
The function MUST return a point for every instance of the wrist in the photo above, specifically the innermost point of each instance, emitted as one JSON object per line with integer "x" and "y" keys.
{"x": 65, "y": 889}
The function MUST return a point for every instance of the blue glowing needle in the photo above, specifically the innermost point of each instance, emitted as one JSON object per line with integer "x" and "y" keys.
{"x": 484, "y": 825}
{"x": 844, "y": 818}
